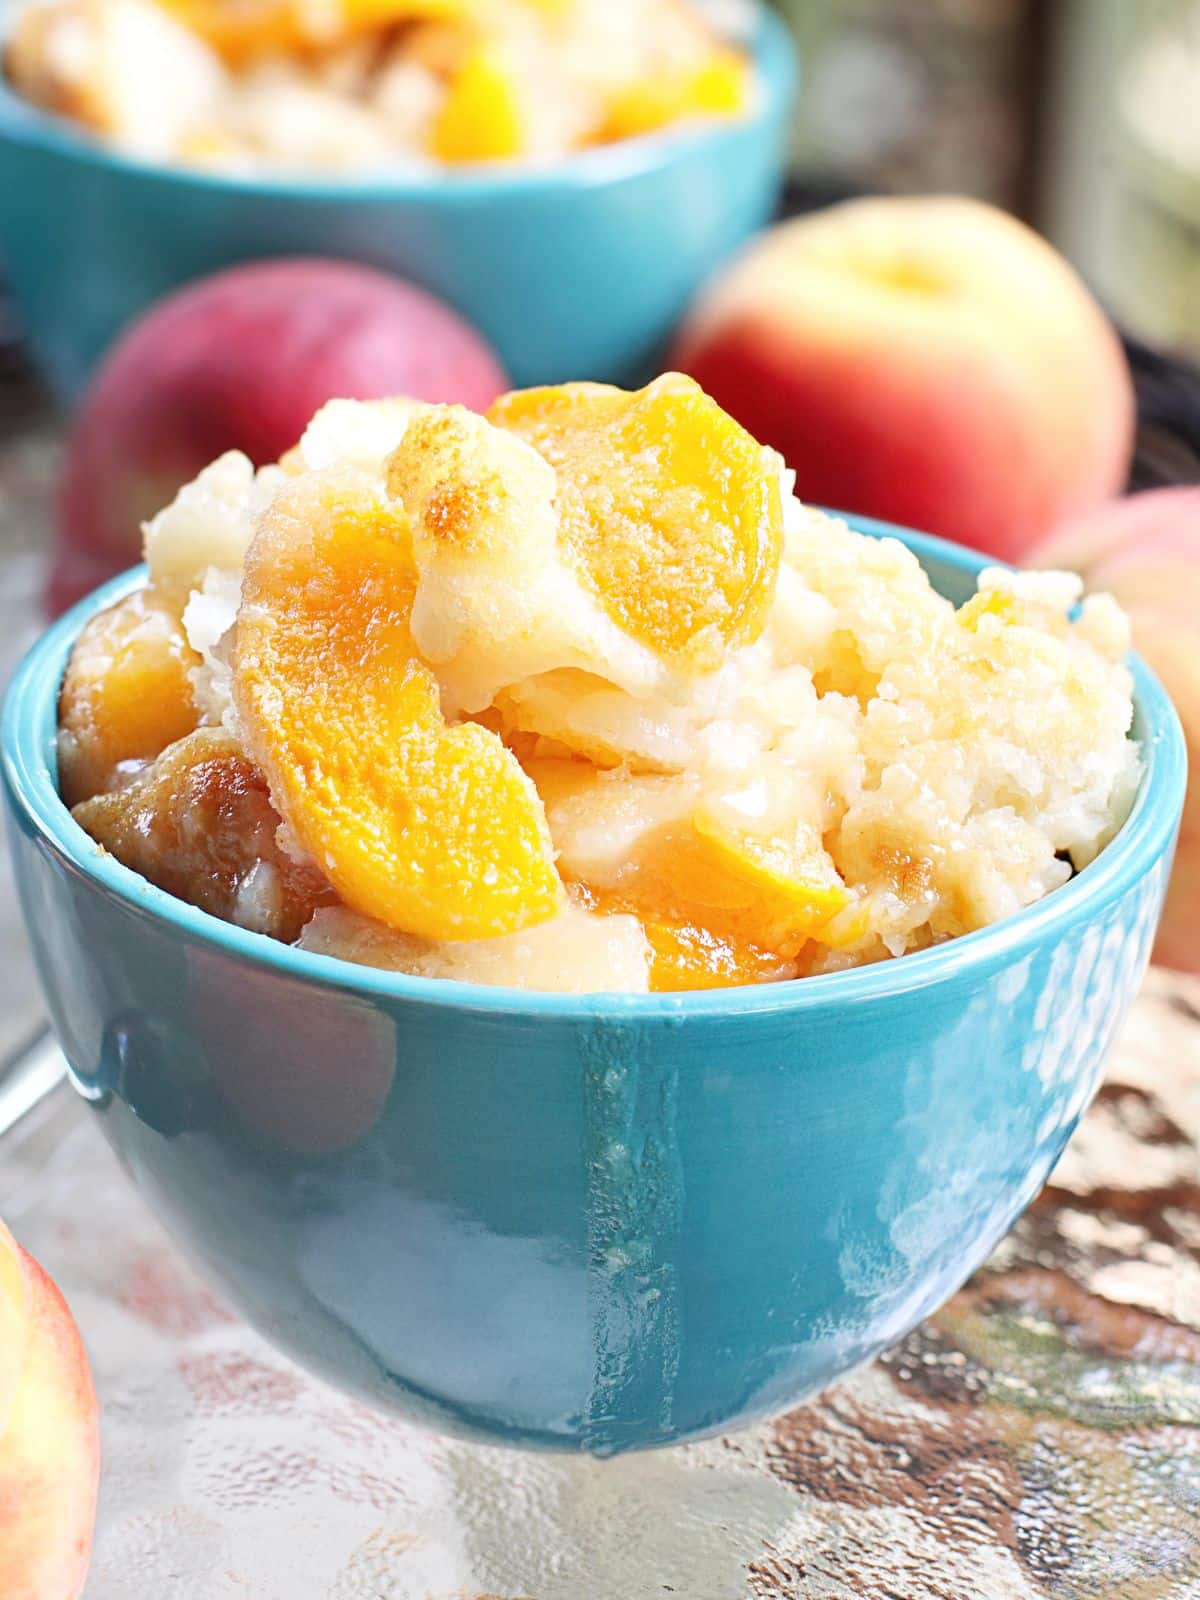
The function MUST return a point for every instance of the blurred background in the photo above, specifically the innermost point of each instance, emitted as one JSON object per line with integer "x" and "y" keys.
{"x": 1083, "y": 116}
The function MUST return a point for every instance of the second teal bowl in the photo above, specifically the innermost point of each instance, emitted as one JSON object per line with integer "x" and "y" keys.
{"x": 577, "y": 270}
{"x": 595, "y": 1222}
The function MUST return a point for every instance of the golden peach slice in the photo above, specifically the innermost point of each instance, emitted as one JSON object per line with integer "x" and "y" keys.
{"x": 432, "y": 829}
{"x": 49, "y": 1436}
{"x": 593, "y": 718}
{"x": 241, "y": 29}
{"x": 670, "y": 511}
{"x": 481, "y": 118}
{"x": 719, "y": 86}
{"x": 669, "y": 856}
{"x": 126, "y": 694}
{"x": 773, "y": 892}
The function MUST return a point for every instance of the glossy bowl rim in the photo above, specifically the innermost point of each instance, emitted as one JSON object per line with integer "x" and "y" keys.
{"x": 26, "y": 755}
{"x": 771, "y": 45}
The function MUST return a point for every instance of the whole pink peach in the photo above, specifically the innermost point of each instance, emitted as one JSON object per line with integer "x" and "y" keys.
{"x": 242, "y": 360}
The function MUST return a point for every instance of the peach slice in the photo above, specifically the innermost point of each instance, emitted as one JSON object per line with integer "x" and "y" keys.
{"x": 240, "y": 29}
{"x": 670, "y": 511}
{"x": 673, "y": 858}
{"x": 49, "y": 1436}
{"x": 199, "y": 823}
{"x": 432, "y": 829}
{"x": 718, "y": 86}
{"x": 126, "y": 694}
{"x": 480, "y": 119}
{"x": 685, "y": 957}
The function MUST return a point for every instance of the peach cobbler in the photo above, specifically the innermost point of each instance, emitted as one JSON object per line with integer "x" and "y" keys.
{"x": 577, "y": 695}
{"x": 344, "y": 85}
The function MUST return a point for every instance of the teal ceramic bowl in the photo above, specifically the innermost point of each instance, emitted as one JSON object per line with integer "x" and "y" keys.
{"x": 593, "y": 1222}
{"x": 578, "y": 270}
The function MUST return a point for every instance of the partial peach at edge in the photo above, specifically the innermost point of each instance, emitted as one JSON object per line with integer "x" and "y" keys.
{"x": 49, "y": 1437}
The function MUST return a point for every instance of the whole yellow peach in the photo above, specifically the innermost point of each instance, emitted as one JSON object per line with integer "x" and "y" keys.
{"x": 928, "y": 360}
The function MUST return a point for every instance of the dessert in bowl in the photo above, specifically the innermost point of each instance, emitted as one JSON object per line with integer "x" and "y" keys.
{"x": 444, "y": 711}
{"x": 554, "y": 249}
{"x": 577, "y": 695}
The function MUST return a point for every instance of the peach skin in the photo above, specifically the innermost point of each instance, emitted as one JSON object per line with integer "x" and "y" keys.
{"x": 1145, "y": 550}
{"x": 240, "y": 361}
{"x": 926, "y": 360}
{"x": 49, "y": 1436}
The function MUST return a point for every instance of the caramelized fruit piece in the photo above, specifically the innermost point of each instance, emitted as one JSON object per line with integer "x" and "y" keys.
{"x": 685, "y": 957}
{"x": 590, "y": 717}
{"x": 367, "y": 15}
{"x": 480, "y": 119}
{"x": 670, "y": 510}
{"x": 718, "y": 87}
{"x": 434, "y": 830}
{"x": 199, "y": 823}
{"x": 126, "y": 694}
{"x": 439, "y": 47}
{"x": 987, "y": 603}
